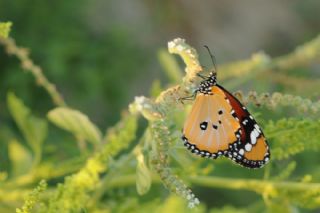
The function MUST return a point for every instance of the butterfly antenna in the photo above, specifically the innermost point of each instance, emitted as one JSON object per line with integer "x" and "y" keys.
{"x": 213, "y": 59}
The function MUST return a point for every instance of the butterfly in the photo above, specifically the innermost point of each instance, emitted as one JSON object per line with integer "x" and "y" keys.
{"x": 219, "y": 125}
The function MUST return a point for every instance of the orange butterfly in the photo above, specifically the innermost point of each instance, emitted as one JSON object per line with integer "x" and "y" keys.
{"x": 219, "y": 124}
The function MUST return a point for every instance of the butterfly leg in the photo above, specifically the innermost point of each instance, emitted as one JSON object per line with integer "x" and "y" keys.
{"x": 202, "y": 76}
{"x": 188, "y": 98}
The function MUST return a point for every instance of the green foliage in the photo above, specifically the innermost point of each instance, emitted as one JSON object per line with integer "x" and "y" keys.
{"x": 229, "y": 209}
{"x": 286, "y": 172}
{"x": 70, "y": 50}
{"x": 141, "y": 167}
{"x": 143, "y": 175}
{"x": 33, "y": 129}
{"x": 33, "y": 198}
{"x": 176, "y": 204}
{"x": 5, "y": 28}
{"x": 76, "y": 123}
{"x": 73, "y": 194}
{"x": 170, "y": 66}
{"x": 20, "y": 158}
{"x": 289, "y": 136}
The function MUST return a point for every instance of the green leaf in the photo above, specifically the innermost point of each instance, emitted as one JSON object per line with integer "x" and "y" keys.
{"x": 143, "y": 178}
{"x": 156, "y": 88}
{"x": 75, "y": 122}
{"x": 33, "y": 129}
{"x": 5, "y": 28}
{"x": 292, "y": 136}
{"x": 20, "y": 158}
{"x": 170, "y": 66}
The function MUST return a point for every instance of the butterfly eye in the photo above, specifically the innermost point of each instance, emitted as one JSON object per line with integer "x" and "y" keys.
{"x": 203, "y": 125}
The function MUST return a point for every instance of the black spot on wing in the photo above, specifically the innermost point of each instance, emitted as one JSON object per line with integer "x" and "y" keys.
{"x": 203, "y": 125}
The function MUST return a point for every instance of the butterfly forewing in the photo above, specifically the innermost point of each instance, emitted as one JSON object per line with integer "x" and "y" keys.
{"x": 210, "y": 129}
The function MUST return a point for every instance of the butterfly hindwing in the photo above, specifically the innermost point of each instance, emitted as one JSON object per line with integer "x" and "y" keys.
{"x": 253, "y": 151}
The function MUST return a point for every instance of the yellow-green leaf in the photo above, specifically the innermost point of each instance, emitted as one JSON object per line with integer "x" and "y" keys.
{"x": 170, "y": 66}
{"x": 34, "y": 129}
{"x": 143, "y": 177}
{"x": 75, "y": 122}
{"x": 20, "y": 158}
{"x": 5, "y": 29}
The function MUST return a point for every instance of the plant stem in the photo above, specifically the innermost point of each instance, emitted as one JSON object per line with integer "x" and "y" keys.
{"x": 251, "y": 184}
{"x": 259, "y": 186}
{"x": 27, "y": 64}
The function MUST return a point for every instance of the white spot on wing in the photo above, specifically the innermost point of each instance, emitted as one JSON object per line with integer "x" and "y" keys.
{"x": 253, "y": 137}
{"x": 244, "y": 122}
{"x": 257, "y": 128}
{"x": 248, "y": 147}
{"x": 241, "y": 152}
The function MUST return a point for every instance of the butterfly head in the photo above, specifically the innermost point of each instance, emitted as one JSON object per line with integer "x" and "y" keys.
{"x": 213, "y": 76}
{"x": 207, "y": 84}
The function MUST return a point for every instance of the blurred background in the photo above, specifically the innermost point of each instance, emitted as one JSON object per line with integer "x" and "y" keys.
{"x": 101, "y": 54}
{"x": 91, "y": 49}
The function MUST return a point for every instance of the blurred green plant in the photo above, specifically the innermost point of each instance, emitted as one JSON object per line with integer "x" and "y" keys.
{"x": 33, "y": 129}
{"x": 123, "y": 169}
{"x": 5, "y": 29}
{"x": 33, "y": 198}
